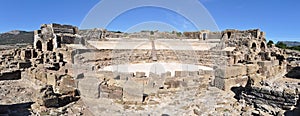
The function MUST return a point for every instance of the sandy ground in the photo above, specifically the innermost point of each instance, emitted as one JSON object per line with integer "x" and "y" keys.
{"x": 157, "y": 68}
{"x": 159, "y": 45}
{"x": 185, "y": 102}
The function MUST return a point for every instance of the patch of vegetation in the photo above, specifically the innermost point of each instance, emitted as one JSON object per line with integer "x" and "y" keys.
{"x": 284, "y": 46}
{"x": 270, "y": 43}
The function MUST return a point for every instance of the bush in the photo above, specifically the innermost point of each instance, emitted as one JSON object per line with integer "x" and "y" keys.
{"x": 270, "y": 43}
{"x": 281, "y": 45}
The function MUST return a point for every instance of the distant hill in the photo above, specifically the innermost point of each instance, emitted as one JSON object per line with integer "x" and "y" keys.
{"x": 291, "y": 43}
{"x": 16, "y": 37}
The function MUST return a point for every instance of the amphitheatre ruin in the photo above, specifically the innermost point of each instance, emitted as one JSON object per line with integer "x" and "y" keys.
{"x": 68, "y": 71}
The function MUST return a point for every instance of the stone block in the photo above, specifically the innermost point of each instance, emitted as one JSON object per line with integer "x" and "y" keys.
{"x": 264, "y": 63}
{"x": 219, "y": 83}
{"x": 252, "y": 69}
{"x": 51, "y": 79}
{"x": 288, "y": 93}
{"x": 231, "y": 71}
{"x": 240, "y": 81}
{"x": 107, "y": 74}
{"x": 208, "y": 73}
{"x": 172, "y": 84}
{"x": 151, "y": 74}
{"x": 105, "y": 89}
{"x": 193, "y": 73}
{"x": 41, "y": 76}
{"x": 104, "y": 95}
{"x": 47, "y": 97}
{"x": 22, "y": 65}
{"x": 265, "y": 90}
{"x": 275, "y": 62}
{"x": 227, "y": 84}
{"x": 132, "y": 91}
{"x": 26, "y": 54}
{"x": 254, "y": 79}
{"x": 117, "y": 94}
{"x": 181, "y": 73}
{"x": 140, "y": 74}
{"x": 125, "y": 76}
{"x": 67, "y": 86}
{"x": 67, "y": 80}
{"x": 89, "y": 87}
{"x": 166, "y": 74}
{"x": 201, "y": 72}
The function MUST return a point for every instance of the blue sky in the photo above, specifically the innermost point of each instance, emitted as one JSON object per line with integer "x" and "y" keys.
{"x": 278, "y": 18}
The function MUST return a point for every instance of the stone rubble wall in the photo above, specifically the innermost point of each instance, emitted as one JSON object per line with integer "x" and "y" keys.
{"x": 277, "y": 98}
{"x": 105, "y": 58}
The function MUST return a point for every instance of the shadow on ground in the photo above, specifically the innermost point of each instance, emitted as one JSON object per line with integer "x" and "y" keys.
{"x": 294, "y": 73}
{"x": 295, "y": 112}
{"x": 16, "y": 109}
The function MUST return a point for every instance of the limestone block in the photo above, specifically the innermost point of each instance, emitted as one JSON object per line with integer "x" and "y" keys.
{"x": 208, "y": 73}
{"x": 41, "y": 76}
{"x": 193, "y": 73}
{"x": 219, "y": 83}
{"x": 201, "y": 72}
{"x": 47, "y": 97}
{"x": 231, "y": 71}
{"x": 181, "y": 73}
{"x": 105, "y": 89}
{"x": 52, "y": 79}
{"x": 107, "y": 74}
{"x": 240, "y": 81}
{"x": 252, "y": 69}
{"x": 264, "y": 63}
{"x": 89, "y": 87}
{"x": 125, "y": 76}
{"x": 140, "y": 74}
{"x": 151, "y": 74}
{"x": 289, "y": 93}
{"x": 275, "y": 62}
{"x": 22, "y": 65}
{"x": 166, "y": 74}
{"x": 226, "y": 84}
{"x": 104, "y": 95}
{"x": 116, "y": 94}
{"x": 67, "y": 85}
{"x": 254, "y": 79}
{"x": 265, "y": 70}
{"x": 132, "y": 91}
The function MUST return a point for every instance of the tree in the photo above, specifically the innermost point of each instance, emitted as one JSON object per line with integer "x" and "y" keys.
{"x": 179, "y": 34}
{"x": 281, "y": 45}
{"x": 270, "y": 43}
{"x": 151, "y": 32}
{"x": 295, "y": 48}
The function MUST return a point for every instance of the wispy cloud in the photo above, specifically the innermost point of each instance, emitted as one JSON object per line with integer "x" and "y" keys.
{"x": 202, "y": 1}
{"x": 178, "y": 21}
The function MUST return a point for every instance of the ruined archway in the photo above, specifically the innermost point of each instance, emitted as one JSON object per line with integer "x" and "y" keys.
{"x": 263, "y": 46}
{"x": 50, "y": 45}
{"x": 39, "y": 45}
{"x": 253, "y": 46}
{"x": 58, "y": 41}
{"x": 229, "y": 35}
{"x": 204, "y": 36}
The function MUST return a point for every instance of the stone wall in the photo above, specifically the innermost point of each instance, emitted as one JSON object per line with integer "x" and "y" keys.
{"x": 230, "y": 76}
{"x": 284, "y": 98}
{"x": 103, "y": 58}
